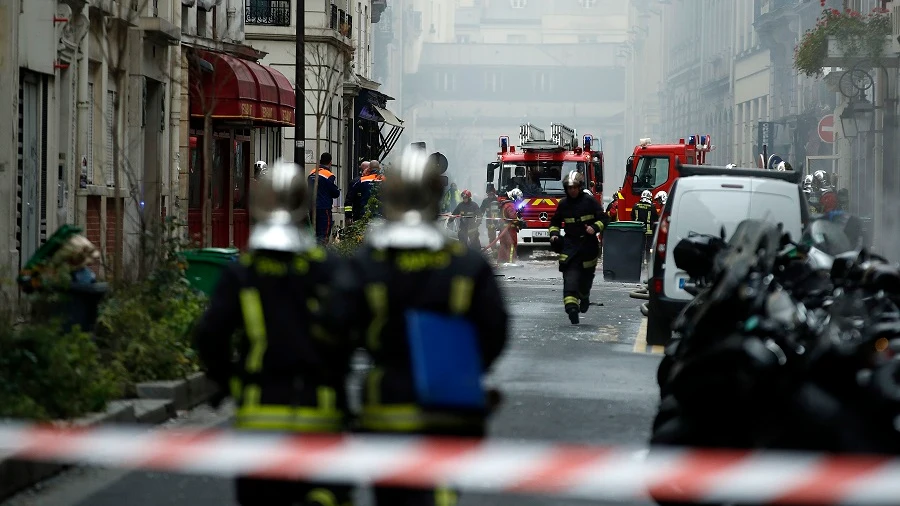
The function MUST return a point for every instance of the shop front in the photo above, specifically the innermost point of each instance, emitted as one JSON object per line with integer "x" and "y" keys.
{"x": 246, "y": 104}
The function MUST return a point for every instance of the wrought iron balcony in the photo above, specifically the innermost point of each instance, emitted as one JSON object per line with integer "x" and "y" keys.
{"x": 268, "y": 12}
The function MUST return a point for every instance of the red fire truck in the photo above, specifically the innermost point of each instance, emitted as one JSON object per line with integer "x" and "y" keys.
{"x": 652, "y": 167}
{"x": 537, "y": 167}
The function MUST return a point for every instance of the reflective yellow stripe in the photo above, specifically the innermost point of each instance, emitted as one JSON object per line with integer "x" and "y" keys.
{"x": 409, "y": 417}
{"x": 587, "y": 217}
{"x": 461, "y": 289}
{"x": 590, "y": 263}
{"x": 599, "y": 226}
{"x": 554, "y": 229}
{"x": 373, "y": 384}
{"x": 255, "y": 326}
{"x": 322, "y": 497}
{"x": 563, "y": 257}
{"x": 443, "y": 496}
{"x": 236, "y": 387}
{"x": 323, "y": 418}
{"x": 570, "y": 300}
{"x": 569, "y": 220}
{"x": 327, "y": 398}
{"x": 376, "y": 295}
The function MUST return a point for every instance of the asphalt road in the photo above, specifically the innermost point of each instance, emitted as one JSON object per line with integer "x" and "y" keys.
{"x": 591, "y": 383}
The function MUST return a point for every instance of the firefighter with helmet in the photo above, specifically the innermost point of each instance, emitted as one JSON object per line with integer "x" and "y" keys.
{"x": 645, "y": 212}
{"x": 291, "y": 372}
{"x": 490, "y": 212}
{"x": 468, "y": 213}
{"x": 427, "y": 309}
{"x": 512, "y": 222}
{"x": 581, "y": 217}
{"x": 612, "y": 210}
{"x": 661, "y": 198}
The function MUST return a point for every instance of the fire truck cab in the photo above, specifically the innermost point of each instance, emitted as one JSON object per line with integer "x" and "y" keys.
{"x": 537, "y": 167}
{"x": 652, "y": 167}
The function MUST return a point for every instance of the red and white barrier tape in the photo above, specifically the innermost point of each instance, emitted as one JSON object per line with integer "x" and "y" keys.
{"x": 486, "y": 466}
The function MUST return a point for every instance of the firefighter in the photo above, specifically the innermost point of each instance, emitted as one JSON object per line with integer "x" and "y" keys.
{"x": 468, "y": 212}
{"x": 290, "y": 374}
{"x": 645, "y": 212}
{"x": 490, "y": 211}
{"x": 612, "y": 210}
{"x": 408, "y": 288}
{"x": 512, "y": 223}
{"x": 582, "y": 219}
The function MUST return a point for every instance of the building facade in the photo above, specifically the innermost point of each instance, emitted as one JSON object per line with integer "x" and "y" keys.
{"x": 345, "y": 114}
{"x": 123, "y": 113}
{"x": 475, "y": 70}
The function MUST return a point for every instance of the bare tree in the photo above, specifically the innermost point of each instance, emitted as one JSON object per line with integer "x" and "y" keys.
{"x": 326, "y": 68}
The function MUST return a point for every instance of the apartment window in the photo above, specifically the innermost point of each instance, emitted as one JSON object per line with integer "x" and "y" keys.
{"x": 516, "y": 38}
{"x": 492, "y": 81}
{"x": 542, "y": 82}
{"x": 517, "y": 4}
{"x": 110, "y": 133}
{"x": 463, "y": 38}
{"x": 445, "y": 81}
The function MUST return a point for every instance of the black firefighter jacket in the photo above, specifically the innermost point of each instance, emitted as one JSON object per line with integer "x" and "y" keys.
{"x": 574, "y": 216}
{"x": 290, "y": 373}
{"x": 646, "y": 214}
{"x": 372, "y": 295}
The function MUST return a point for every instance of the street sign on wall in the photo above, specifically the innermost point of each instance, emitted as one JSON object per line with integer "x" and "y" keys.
{"x": 826, "y": 128}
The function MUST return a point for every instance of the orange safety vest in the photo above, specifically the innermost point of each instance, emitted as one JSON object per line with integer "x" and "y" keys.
{"x": 322, "y": 172}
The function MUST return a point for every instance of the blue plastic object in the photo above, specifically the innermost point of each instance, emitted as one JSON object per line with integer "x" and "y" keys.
{"x": 446, "y": 360}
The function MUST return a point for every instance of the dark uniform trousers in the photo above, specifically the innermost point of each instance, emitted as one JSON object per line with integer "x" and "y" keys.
{"x": 646, "y": 214}
{"x": 580, "y": 250}
{"x": 375, "y": 291}
{"x": 468, "y": 224}
{"x": 490, "y": 210}
{"x": 290, "y": 375}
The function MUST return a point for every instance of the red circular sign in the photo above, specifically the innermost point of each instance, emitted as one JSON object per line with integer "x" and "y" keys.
{"x": 826, "y": 128}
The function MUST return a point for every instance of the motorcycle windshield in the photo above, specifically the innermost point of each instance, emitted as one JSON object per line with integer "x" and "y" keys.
{"x": 828, "y": 237}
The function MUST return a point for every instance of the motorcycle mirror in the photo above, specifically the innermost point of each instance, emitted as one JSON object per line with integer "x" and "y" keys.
{"x": 842, "y": 266}
{"x": 695, "y": 254}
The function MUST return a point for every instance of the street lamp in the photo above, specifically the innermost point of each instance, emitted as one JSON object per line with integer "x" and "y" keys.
{"x": 848, "y": 122}
{"x": 865, "y": 114}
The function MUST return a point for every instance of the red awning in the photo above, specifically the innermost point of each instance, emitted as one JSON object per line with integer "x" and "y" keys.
{"x": 239, "y": 89}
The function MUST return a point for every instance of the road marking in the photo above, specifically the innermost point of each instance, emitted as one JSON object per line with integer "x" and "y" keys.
{"x": 640, "y": 342}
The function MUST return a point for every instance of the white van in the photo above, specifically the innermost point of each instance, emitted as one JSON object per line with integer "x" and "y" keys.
{"x": 704, "y": 202}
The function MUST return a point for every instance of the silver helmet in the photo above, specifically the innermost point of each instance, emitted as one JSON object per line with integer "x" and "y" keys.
{"x": 411, "y": 198}
{"x": 278, "y": 206}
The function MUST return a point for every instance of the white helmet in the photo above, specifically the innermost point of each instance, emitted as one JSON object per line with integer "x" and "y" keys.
{"x": 646, "y": 196}
{"x": 279, "y": 205}
{"x": 661, "y": 197}
{"x": 574, "y": 178}
{"x": 514, "y": 194}
{"x": 819, "y": 176}
{"x": 261, "y": 169}
{"x": 781, "y": 167}
{"x": 731, "y": 166}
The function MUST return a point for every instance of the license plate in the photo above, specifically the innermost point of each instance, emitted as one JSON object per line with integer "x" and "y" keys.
{"x": 541, "y": 233}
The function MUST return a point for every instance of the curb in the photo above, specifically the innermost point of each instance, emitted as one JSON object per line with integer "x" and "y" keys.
{"x": 157, "y": 402}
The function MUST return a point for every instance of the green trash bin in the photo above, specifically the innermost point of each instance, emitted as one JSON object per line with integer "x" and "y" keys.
{"x": 204, "y": 266}
{"x": 623, "y": 251}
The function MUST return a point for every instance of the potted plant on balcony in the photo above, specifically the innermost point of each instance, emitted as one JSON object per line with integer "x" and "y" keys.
{"x": 842, "y": 36}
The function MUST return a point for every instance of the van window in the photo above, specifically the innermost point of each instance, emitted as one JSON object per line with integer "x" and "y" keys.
{"x": 651, "y": 172}
{"x": 707, "y": 211}
{"x": 777, "y": 208}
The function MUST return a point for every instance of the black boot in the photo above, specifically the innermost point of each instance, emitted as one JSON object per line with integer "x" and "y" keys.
{"x": 572, "y": 311}
{"x": 585, "y": 304}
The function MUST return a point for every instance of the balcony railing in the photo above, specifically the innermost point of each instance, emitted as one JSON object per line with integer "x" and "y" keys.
{"x": 268, "y": 12}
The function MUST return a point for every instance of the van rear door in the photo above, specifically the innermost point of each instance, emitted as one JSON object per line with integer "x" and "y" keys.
{"x": 777, "y": 202}
{"x": 703, "y": 204}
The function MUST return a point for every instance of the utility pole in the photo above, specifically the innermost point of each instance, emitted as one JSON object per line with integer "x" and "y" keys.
{"x": 299, "y": 89}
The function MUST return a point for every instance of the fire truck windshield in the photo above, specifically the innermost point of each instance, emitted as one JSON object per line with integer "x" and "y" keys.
{"x": 651, "y": 172}
{"x": 537, "y": 178}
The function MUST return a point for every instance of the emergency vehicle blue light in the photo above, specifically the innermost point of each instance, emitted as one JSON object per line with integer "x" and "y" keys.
{"x": 588, "y": 141}
{"x": 504, "y": 142}
{"x": 703, "y": 139}
{"x": 692, "y": 140}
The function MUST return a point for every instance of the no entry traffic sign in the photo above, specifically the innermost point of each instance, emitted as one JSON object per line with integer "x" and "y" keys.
{"x": 826, "y": 128}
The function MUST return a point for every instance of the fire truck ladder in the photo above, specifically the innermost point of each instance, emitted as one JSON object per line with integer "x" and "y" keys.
{"x": 530, "y": 133}
{"x": 562, "y": 135}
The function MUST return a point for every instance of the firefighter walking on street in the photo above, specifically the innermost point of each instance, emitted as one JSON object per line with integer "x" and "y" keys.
{"x": 468, "y": 213}
{"x": 490, "y": 211}
{"x": 581, "y": 217}
{"x": 430, "y": 314}
{"x": 645, "y": 212}
{"x": 512, "y": 222}
{"x": 290, "y": 374}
